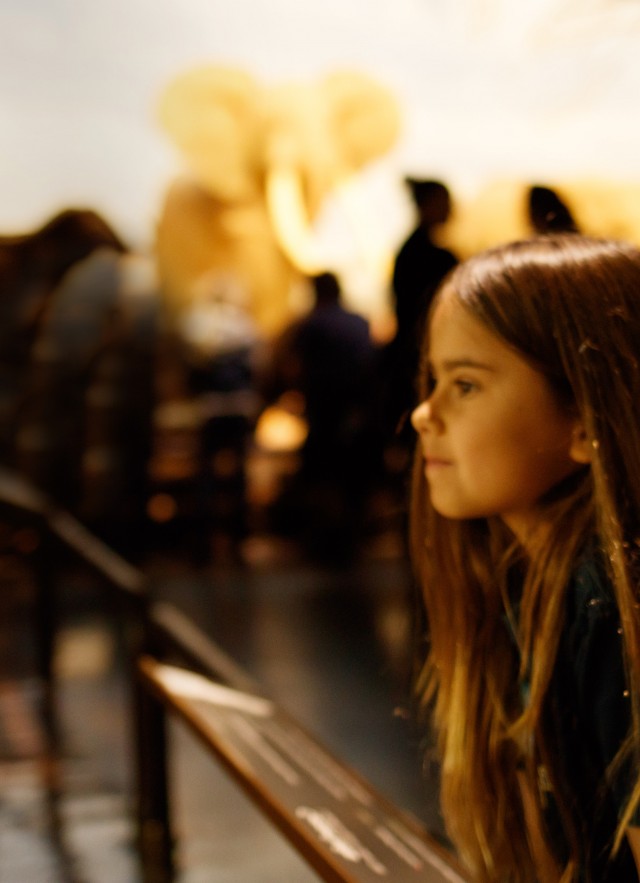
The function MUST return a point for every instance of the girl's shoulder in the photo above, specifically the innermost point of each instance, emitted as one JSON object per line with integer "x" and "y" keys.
{"x": 590, "y": 684}
{"x": 590, "y": 659}
{"x": 590, "y": 595}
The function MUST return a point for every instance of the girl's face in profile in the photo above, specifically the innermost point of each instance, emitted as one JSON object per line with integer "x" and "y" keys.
{"x": 493, "y": 435}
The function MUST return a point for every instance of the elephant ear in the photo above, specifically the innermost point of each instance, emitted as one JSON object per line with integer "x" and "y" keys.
{"x": 211, "y": 115}
{"x": 364, "y": 114}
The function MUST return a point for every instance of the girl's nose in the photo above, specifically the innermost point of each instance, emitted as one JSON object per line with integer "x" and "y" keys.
{"x": 420, "y": 416}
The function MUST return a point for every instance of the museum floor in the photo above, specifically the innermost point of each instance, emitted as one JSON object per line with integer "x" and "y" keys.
{"x": 329, "y": 643}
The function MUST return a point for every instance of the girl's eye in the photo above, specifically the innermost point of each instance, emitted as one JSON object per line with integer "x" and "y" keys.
{"x": 465, "y": 387}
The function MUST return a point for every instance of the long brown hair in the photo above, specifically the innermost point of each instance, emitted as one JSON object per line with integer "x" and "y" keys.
{"x": 570, "y": 305}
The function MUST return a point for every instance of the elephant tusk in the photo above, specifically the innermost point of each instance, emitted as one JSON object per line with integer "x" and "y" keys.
{"x": 288, "y": 214}
{"x": 375, "y": 255}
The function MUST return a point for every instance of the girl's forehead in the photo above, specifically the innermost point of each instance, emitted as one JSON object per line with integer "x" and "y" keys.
{"x": 445, "y": 300}
{"x": 450, "y": 314}
{"x": 455, "y": 333}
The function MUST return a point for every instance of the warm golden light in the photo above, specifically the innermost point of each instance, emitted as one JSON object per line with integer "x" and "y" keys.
{"x": 280, "y": 431}
{"x": 161, "y": 508}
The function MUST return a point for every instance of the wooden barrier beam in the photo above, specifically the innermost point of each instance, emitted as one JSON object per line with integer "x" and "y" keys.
{"x": 344, "y": 829}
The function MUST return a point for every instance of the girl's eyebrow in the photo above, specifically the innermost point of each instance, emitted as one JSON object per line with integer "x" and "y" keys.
{"x": 453, "y": 364}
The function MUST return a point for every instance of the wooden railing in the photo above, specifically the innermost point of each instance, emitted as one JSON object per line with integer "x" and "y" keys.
{"x": 343, "y": 828}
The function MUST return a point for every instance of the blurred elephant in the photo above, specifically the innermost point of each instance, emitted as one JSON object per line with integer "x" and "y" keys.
{"x": 261, "y": 162}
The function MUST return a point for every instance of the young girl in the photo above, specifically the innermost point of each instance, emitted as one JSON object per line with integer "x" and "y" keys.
{"x": 526, "y": 540}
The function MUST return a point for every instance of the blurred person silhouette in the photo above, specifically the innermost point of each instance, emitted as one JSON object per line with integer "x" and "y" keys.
{"x": 420, "y": 265}
{"x": 31, "y": 266}
{"x": 327, "y": 357}
{"x": 85, "y": 314}
{"x": 222, "y": 347}
{"x": 547, "y": 212}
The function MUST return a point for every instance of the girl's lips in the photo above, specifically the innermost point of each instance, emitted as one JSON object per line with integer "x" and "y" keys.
{"x": 433, "y": 464}
{"x": 436, "y": 461}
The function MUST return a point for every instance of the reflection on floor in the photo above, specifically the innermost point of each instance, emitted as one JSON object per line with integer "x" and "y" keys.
{"x": 329, "y": 644}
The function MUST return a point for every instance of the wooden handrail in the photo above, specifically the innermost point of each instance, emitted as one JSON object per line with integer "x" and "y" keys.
{"x": 343, "y": 828}
{"x": 332, "y": 816}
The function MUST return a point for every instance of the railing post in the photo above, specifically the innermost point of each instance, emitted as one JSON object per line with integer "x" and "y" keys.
{"x": 151, "y": 757}
{"x": 149, "y": 726}
{"x": 45, "y": 571}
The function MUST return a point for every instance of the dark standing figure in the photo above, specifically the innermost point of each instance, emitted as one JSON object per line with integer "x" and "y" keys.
{"x": 328, "y": 356}
{"x": 76, "y": 368}
{"x": 421, "y": 264}
{"x": 419, "y": 268}
{"x": 221, "y": 345}
{"x": 31, "y": 267}
{"x": 547, "y": 212}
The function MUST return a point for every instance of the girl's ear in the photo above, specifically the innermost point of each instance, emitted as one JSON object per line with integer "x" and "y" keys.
{"x": 581, "y": 448}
